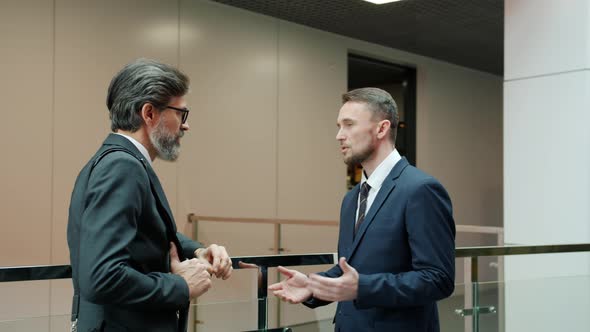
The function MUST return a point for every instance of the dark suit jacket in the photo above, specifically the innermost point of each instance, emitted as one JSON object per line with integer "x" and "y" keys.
{"x": 404, "y": 252}
{"x": 119, "y": 246}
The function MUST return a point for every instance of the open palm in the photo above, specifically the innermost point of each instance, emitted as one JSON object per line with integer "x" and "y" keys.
{"x": 293, "y": 289}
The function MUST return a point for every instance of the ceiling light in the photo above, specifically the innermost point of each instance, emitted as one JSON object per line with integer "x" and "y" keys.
{"x": 380, "y": 2}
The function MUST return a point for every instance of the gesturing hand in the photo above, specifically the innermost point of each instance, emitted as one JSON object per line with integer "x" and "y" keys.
{"x": 293, "y": 289}
{"x": 218, "y": 258}
{"x": 343, "y": 288}
{"x": 193, "y": 271}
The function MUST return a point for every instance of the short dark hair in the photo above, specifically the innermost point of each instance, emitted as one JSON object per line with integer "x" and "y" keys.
{"x": 139, "y": 82}
{"x": 380, "y": 103}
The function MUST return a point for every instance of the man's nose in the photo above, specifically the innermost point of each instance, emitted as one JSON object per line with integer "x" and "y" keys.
{"x": 185, "y": 126}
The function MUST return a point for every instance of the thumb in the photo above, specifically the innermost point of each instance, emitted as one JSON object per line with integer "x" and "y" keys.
{"x": 344, "y": 266}
{"x": 173, "y": 254}
{"x": 286, "y": 272}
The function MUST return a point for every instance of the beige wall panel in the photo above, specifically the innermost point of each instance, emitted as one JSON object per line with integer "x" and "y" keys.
{"x": 318, "y": 239}
{"x": 228, "y": 166}
{"x": 312, "y": 78}
{"x": 94, "y": 39}
{"x": 240, "y": 239}
{"x": 460, "y": 140}
{"x": 26, "y": 57}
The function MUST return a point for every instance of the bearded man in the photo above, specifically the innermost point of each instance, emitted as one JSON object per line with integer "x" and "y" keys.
{"x": 397, "y": 233}
{"x": 131, "y": 269}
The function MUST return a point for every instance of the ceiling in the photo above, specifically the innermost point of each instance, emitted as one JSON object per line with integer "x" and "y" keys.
{"x": 468, "y": 33}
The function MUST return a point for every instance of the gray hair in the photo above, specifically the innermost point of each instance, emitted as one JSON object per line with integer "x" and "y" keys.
{"x": 380, "y": 103}
{"x": 140, "y": 82}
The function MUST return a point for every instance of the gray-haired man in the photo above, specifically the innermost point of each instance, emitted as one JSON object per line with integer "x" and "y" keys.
{"x": 132, "y": 271}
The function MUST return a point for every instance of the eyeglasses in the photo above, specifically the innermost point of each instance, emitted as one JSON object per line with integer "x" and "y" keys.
{"x": 183, "y": 110}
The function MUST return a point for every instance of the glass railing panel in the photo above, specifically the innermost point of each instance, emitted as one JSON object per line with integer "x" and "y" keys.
{"x": 224, "y": 316}
{"x": 230, "y": 305}
{"x": 491, "y": 306}
{"x": 450, "y": 321}
{"x": 297, "y": 316}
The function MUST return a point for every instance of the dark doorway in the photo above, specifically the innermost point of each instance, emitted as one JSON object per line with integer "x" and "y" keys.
{"x": 400, "y": 82}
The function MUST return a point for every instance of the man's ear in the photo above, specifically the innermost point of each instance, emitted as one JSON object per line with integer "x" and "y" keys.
{"x": 383, "y": 128}
{"x": 149, "y": 114}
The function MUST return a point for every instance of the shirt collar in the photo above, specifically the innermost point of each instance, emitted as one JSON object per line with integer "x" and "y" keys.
{"x": 380, "y": 173}
{"x": 139, "y": 146}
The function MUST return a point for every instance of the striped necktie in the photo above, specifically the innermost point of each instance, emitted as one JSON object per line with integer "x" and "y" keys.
{"x": 362, "y": 205}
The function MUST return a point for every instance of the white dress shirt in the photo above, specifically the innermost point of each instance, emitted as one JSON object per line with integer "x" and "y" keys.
{"x": 140, "y": 147}
{"x": 376, "y": 179}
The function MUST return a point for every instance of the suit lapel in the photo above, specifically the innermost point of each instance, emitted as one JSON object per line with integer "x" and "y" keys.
{"x": 348, "y": 216}
{"x": 118, "y": 140}
{"x": 386, "y": 188}
{"x": 161, "y": 196}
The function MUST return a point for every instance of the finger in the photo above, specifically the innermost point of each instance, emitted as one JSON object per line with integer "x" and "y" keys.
{"x": 275, "y": 287}
{"x": 205, "y": 265}
{"x": 344, "y": 265}
{"x": 243, "y": 265}
{"x": 173, "y": 254}
{"x": 280, "y": 294}
{"x": 224, "y": 269}
{"x": 286, "y": 272}
{"x": 228, "y": 273}
{"x": 224, "y": 272}
{"x": 216, "y": 254}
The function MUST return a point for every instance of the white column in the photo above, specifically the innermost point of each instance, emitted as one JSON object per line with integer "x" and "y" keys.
{"x": 547, "y": 162}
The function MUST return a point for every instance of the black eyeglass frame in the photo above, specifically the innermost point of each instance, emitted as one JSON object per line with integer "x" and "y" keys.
{"x": 184, "y": 111}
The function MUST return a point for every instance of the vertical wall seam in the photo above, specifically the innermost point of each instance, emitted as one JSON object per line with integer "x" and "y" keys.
{"x": 277, "y": 127}
{"x": 277, "y": 149}
{"x": 52, "y": 162}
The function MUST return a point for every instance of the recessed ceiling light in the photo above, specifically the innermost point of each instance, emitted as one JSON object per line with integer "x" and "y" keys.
{"x": 380, "y": 2}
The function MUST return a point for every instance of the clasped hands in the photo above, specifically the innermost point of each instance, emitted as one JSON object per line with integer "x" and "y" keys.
{"x": 297, "y": 287}
{"x": 197, "y": 271}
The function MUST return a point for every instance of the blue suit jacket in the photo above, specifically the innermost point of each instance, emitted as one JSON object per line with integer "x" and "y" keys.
{"x": 404, "y": 252}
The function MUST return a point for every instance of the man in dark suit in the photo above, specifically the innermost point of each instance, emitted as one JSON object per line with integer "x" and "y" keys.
{"x": 131, "y": 270}
{"x": 397, "y": 234}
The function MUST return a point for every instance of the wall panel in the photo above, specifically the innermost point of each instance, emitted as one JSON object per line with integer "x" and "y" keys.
{"x": 228, "y": 166}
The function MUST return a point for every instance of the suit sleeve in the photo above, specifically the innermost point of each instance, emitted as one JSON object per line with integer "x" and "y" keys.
{"x": 431, "y": 238}
{"x": 188, "y": 245}
{"x": 115, "y": 198}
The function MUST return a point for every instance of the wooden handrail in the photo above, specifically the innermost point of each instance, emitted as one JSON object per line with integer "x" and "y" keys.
{"x": 276, "y": 221}
{"x": 193, "y": 218}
